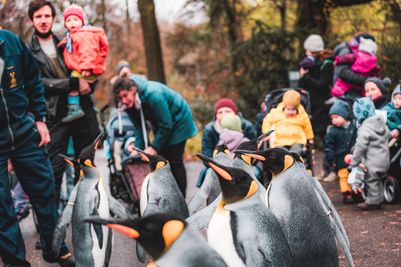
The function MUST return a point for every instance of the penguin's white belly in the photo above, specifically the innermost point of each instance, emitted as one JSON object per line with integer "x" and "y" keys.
{"x": 99, "y": 254}
{"x": 221, "y": 239}
{"x": 143, "y": 201}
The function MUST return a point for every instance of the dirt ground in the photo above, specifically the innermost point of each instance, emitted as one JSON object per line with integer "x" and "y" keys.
{"x": 375, "y": 236}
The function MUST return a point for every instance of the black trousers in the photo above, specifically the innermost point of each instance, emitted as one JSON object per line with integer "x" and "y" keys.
{"x": 174, "y": 154}
{"x": 83, "y": 132}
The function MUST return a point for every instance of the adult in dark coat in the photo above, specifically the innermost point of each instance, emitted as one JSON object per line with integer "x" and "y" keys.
{"x": 58, "y": 83}
{"x": 317, "y": 80}
{"x": 212, "y": 130}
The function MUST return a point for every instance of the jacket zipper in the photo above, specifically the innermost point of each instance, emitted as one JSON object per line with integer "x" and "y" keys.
{"x": 8, "y": 119}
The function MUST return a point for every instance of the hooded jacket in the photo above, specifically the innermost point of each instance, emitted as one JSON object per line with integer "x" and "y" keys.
{"x": 166, "y": 110}
{"x": 22, "y": 99}
{"x": 371, "y": 147}
{"x": 89, "y": 50}
{"x": 287, "y": 130}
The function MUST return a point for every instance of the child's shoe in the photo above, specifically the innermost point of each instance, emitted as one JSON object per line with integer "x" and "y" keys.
{"x": 348, "y": 198}
{"x": 332, "y": 177}
{"x": 74, "y": 112}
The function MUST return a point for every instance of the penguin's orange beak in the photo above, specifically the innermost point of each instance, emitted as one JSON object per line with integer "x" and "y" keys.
{"x": 224, "y": 174}
{"x": 125, "y": 230}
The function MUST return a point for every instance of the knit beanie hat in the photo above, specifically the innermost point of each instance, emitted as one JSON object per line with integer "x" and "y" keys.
{"x": 225, "y": 103}
{"x": 231, "y": 122}
{"x": 368, "y": 45}
{"x": 382, "y": 84}
{"x": 121, "y": 64}
{"x": 292, "y": 98}
{"x": 314, "y": 43}
{"x": 74, "y": 10}
{"x": 363, "y": 108}
{"x": 397, "y": 90}
{"x": 340, "y": 108}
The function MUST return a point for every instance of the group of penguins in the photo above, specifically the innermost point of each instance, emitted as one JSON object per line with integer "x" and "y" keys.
{"x": 292, "y": 222}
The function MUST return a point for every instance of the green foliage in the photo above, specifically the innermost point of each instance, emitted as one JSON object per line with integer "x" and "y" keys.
{"x": 390, "y": 63}
{"x": 263, "y": 63}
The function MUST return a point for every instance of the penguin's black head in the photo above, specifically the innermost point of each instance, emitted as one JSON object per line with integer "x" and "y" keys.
{"x": 156, "y": 232}
{"x": 236, "y": 184}
{"x": 155, "y": 161}
{"x": 222, "y": 148}
{"x": 75, "y": 164}
{"x": 87, "y": 155}
{"x": 276, "y": 160}
{"x": 252, "y": 145}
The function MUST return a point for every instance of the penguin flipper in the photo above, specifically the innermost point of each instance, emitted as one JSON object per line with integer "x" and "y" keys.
{"x": 329, "y": 206}
{"x": 98, "y": 228}
{"x": 118, "y": 209}
{"x": 201, "y": 197}
{"x": 202, "y": 218}
{"x": 64, "y": 222}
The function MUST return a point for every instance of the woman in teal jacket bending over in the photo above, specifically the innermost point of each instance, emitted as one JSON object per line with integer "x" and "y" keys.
{"x": 168, "y": 113}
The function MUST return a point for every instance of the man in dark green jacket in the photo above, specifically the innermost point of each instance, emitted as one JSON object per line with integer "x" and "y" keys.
{"x": 23, "y": 136}
{"x": 168, "y": 113}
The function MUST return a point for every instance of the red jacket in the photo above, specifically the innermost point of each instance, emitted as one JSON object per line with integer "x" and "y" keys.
{"x": 89, "y": 50}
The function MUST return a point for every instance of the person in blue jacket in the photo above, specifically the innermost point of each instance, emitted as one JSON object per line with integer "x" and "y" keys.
{"x": 169, "y": 115}
{"x": 23, "y": 139}
{"x": 212, "y": 130}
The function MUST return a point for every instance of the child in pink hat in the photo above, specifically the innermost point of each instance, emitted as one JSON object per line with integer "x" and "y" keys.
{"x": 85, "y": 51}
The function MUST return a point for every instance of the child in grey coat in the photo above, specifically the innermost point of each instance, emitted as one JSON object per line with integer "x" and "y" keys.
{"x": 371, "y": 151}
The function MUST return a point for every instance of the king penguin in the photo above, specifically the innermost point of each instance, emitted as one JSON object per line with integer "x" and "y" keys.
{"x": 168, "y": 239}
{"x": 92, "y": 244}
{"x": 210, "y": 188}
{"x": 293, "y": 199}
{"x": 160, "y": 192}
{"x": 202, "y": 218}
{"x": 242, "y": 230}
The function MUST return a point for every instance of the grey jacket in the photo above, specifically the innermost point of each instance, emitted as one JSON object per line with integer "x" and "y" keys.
{"x": 371, "y": 146}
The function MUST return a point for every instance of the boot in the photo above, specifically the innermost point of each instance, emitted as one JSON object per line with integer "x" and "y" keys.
{"x": 332, "y": 177}
{"x": 74, "y": 112}
{"x": 348, "y": 198}
{"x": 366, "y": 206}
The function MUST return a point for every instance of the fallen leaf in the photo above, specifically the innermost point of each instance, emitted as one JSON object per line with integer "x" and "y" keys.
{"x": 364, "y": 232}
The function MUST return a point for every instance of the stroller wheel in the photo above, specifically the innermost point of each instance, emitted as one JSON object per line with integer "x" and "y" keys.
{"x": 391, "y": 190}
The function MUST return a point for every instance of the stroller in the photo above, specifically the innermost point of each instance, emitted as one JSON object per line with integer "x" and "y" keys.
{"x": 392, "y": 182}
{"x": 273, "y": 98}
{"x": 126, "y": 172}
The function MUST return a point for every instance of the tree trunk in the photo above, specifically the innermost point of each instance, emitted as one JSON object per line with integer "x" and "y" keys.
{"x": 151, "y": 38}
{"x": 103, "y": 4}
{"x": 311, "y": 16}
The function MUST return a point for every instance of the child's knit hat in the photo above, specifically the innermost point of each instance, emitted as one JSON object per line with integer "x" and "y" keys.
{"x": 363, "y": 108}
{"x": 232, "y": 122}
{"x": 292, "y": 98}
{"x": 225, "y": 103}
{"x": 314, "y": 43}
{"x": 74, "y": 10}
{"x": 381, "y": 84}
{"x": 397, "y": 90}
{"x": 368, "y": 45}
{"x": 340, "y": 108}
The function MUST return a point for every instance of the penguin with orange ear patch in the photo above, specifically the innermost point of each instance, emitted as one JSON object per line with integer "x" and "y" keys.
{"x": 293, "y": 199}
{"x": 91, "y": 243}
{"x": 160, "y": 192}
{"x": 242, "y": 230}
{"x": 168, "y": 239}
{"x": 210, "y": 188}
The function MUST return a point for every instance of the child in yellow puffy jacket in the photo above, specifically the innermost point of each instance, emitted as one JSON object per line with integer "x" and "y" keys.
{"x": 290, "y": 122}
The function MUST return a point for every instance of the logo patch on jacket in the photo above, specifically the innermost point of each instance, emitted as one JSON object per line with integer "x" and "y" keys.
{"x": 13, "y": 81}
